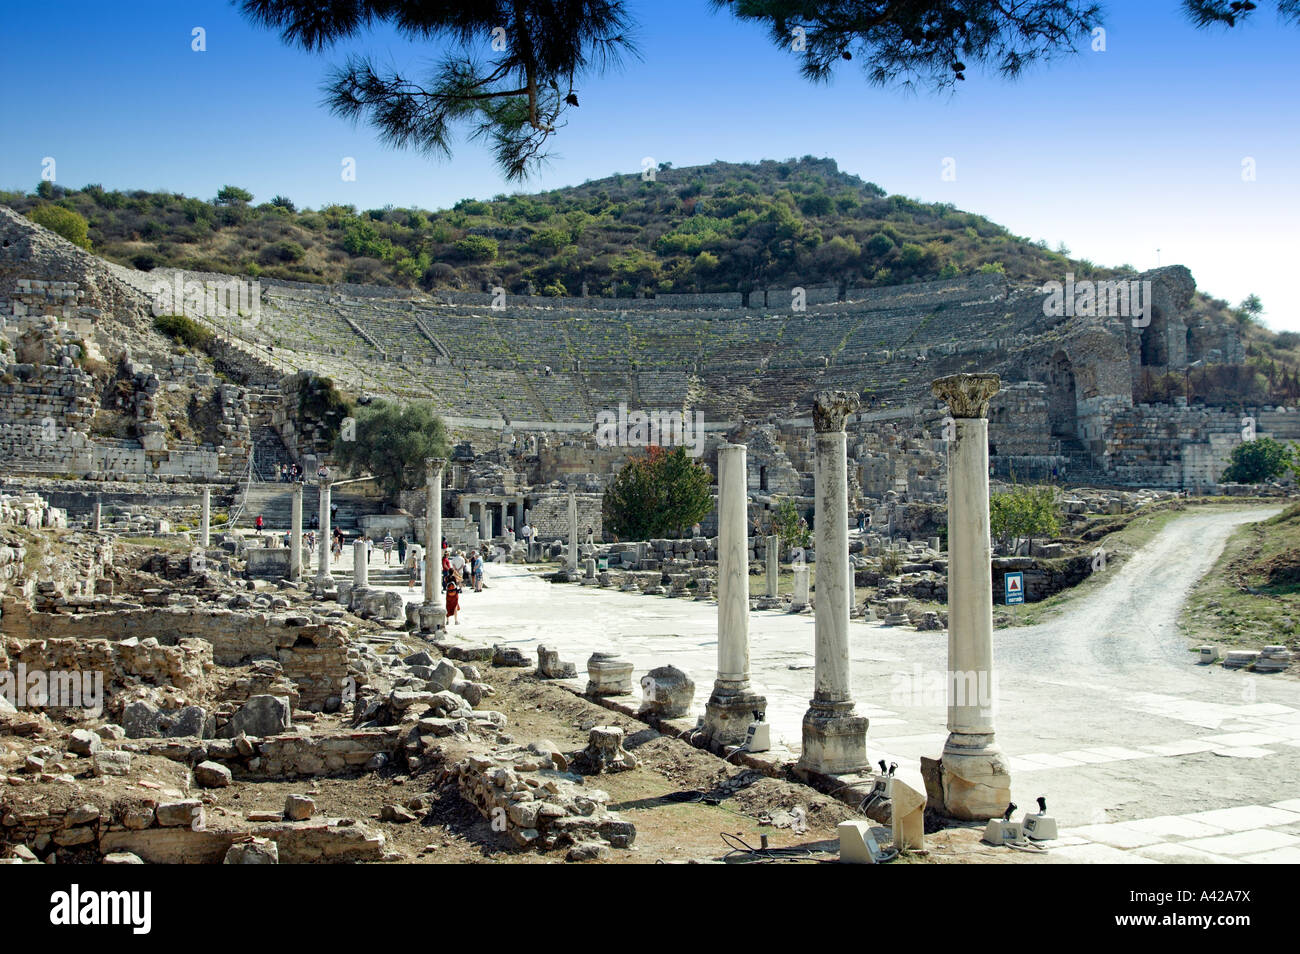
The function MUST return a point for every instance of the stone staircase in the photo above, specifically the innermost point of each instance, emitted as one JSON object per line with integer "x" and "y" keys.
{"x": 379, "y": 575}
{"x": 269, "y": 453}
{"x": 1080, "y": 468}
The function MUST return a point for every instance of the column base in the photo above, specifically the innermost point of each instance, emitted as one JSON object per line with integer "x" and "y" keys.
{"x": 427, "y": 618}
{"x": 834, "y": 740}
{"x": 970, "y": 781}
{"x": 729, "y": 712}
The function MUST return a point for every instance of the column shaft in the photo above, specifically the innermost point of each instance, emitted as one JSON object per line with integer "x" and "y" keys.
{"x": 295, "y": 534}
{"x": 834, "y": 572}
{"x": 834, "y": 736}
{"x": 205, "y": 519}
{"x": 972, "y": 779}
{"x": 573, "y": 532}
{"x": 773, "y": 564}
{"x": 323, "y": 564}
{"x": 360, "y": 564}
{"x": 970, "y": 592}
{"x": 734, "y": 704}
{"x": 733, "y": 568}
{"x": 433, "y": 532}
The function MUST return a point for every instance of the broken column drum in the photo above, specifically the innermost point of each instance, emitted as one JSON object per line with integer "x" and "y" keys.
{"x": 360, "y": 565}
{"x": 608, "y": 675}
{"x": 801, "y": 589}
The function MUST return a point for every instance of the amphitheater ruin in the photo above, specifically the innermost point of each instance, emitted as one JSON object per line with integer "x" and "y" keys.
{"x": 232, "y": 659}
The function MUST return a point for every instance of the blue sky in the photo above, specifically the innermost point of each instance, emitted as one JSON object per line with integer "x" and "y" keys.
{"x": 1116, "y": 153}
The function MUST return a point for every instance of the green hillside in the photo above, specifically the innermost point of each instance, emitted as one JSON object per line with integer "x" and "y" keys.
{"x": 721, "y": 227}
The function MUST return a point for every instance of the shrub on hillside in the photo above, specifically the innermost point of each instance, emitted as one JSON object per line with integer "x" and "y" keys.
{"x": 65, "y": 222}
{"x": 477, "y": 248}
{"x": 183, "y": 329}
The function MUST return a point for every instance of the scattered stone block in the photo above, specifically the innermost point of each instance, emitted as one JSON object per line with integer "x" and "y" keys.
{"x": 550, "y": 666}
{"x": 212, "y": 775}
{"x": 183, "y": 814}
{"x": 259, "y": 717}
{"x": 508, "y": 656}
{"x": 604, "y": 752}
{"x": 608, "y": 675}
{"x": 299, "y": 807}
{"x": 84, "y": 742}
{"x": 111, "y": 763}
{"x": 397, "y": 813}
{"x": 253, "y": 851}
{"x": 667, "y": 692}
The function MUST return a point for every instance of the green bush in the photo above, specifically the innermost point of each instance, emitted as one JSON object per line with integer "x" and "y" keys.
{"x": 477, "y": 248}
{"x": 65, "y": 222}
{"x": 183, "y": 329}
{"x": 1256, "y": 461}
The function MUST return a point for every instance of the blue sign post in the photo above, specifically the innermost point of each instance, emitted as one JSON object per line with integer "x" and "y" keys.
{"x": 1014, "y": 586}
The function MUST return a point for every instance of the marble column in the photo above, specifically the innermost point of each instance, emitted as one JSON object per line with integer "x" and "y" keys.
{"x": 433, "y": 605}
{"x": 205, "y": 519}
{"x": 360, "y": 565}
{"x": 295, "y": 534}
{"x": 975, "y": 780}
{"x": 485, "y": 520}
{"x": 834, "y": 735}
{"x": 323, "y": 564}
{"x": 573, "y": 532}
{"x": 734, "y": 704}
{"x": 800, "y": 587}
{"x": 773, "y": 564}
{"x": 96, "y": 516}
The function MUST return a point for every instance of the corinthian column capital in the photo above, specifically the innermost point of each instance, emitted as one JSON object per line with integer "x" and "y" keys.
{"x": 967, "y": 395}
{"x": 832, "y": 408}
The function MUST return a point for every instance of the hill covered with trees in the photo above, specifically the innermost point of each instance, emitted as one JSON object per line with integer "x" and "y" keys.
{"x": 720, "y": 227}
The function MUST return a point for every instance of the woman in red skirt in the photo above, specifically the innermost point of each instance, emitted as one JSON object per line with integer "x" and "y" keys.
{"x": 453, "y": 600}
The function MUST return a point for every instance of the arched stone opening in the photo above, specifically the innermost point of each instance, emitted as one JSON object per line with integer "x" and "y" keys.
{"x": 1062, "y": 397}
{"x": 1155, "y": 352}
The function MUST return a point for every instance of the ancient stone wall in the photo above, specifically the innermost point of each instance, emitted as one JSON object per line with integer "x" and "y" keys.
{"x": 549, "y": 516}
{"x": 312, "y": 655}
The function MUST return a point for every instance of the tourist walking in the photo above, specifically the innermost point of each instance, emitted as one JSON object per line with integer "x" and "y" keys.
{"x": 477, "y": 568}
{"x": 412, "y": 564}
{"x": 402, "y": 547}
{"x": 259, "y": 524}
{"x": 388, "y": 545}
{"x": 453, "y": 601}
